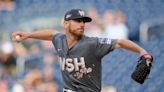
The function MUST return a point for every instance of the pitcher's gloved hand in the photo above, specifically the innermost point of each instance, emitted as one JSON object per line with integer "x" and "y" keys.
{"x": 143, "y": 68}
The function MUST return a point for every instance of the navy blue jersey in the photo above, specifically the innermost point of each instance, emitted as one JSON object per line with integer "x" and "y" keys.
{"x": 81, "y": 64}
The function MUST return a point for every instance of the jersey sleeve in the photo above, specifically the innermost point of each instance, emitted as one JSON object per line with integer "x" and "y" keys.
{"x": 56, "y": 40}
{"x": 104, "y": 46}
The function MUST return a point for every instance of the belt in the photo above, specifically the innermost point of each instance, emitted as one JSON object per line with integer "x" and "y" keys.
{"x": 68, "y": 90}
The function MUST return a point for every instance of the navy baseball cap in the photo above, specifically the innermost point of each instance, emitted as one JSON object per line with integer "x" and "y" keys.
{"x": 77, "y": 14}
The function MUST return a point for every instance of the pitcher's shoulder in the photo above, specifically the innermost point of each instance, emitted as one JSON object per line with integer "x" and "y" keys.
{"x": 58, "y": 36}
{"x": 91, "y": 40}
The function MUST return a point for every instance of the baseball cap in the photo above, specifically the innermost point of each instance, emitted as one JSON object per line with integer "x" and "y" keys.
{"x": 77, "y": 14}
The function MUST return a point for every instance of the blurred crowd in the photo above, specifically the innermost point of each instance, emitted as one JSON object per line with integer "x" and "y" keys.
{"x": 27, "y": 67}
{"x": 7, "y": 5}
{"x": 111, "y": 24}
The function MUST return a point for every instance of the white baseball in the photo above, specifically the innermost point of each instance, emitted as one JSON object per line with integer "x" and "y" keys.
{"x": 17, "y": 37}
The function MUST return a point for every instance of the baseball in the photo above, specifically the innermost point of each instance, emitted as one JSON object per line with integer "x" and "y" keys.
{"x": 17, "y": 37}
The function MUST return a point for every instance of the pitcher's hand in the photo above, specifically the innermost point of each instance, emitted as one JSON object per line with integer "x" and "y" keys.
{"x": 19, "y": 36}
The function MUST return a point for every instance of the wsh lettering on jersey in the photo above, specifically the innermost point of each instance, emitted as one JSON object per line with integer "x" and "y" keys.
{"x": 74, "y": 64}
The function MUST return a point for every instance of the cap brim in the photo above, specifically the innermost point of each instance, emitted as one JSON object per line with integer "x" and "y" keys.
{"x": 86, "y": 19}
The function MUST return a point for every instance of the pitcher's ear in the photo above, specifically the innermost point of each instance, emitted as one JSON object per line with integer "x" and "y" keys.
{"x": 65, "y": 23}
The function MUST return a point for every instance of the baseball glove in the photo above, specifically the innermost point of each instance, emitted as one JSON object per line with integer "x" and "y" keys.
{"x": 142, "y": 69}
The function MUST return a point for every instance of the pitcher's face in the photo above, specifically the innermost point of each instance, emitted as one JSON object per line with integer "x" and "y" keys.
{"x": 76, "y": 27}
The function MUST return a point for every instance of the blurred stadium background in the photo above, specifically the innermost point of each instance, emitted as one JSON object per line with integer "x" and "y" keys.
{"x": 32, "y": 66}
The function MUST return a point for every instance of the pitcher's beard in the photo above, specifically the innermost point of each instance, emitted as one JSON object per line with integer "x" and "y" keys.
{"x": 77, "y": 33}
